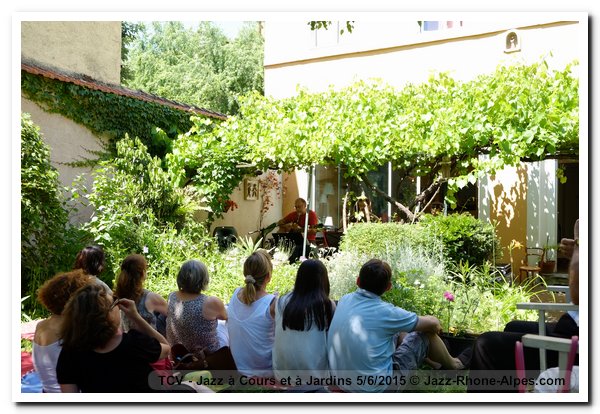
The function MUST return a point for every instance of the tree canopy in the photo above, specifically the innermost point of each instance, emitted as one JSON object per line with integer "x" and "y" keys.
{"x": 440, "y": 128}
{"x": 198, "y": 66}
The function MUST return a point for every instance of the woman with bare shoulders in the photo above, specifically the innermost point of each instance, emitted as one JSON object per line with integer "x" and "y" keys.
{"x": 192, "y": 316}
{"x": 251, "y": 322}
{"x": 130, "y": 285}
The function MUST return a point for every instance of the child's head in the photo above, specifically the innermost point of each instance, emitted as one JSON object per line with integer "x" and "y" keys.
{"x": 257, "y": 273}
{"x": 375, "y": 276}
{"x": 192, "y": 277}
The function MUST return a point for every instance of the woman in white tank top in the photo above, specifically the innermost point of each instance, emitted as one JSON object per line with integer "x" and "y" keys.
{"x": 251, "y": 325}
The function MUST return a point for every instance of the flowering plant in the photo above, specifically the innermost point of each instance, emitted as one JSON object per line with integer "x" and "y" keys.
{"x": 462, "y": 298}
{"x": 230, "y": 205}
{"x": 268, "y": 183}
{"x": 449, "y": 297}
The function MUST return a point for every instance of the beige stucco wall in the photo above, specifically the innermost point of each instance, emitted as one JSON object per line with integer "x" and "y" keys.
{"x": 68, "y": 142}
{"x": 90, "y": 48}
{"x": 508, "y": 210}
{"x": 464, "y": 53}
{"x": 246, "y": 218}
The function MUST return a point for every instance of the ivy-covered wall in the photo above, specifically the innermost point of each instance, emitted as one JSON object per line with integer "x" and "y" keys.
{"x": 106, "y": 113}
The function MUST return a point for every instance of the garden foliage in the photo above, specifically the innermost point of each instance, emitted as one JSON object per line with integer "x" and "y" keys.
{"x": 199, "y": 66}
{"x": 139, "y": 208}
{"x": 47, "y": 239}
{"x": 454, "y": 132}
{"x": 432, "y": 260}
{"x": 454, "y": 238}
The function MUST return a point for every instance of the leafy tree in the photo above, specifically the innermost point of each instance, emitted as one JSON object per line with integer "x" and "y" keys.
{"x": 139, "y": 206}
{"x": 129, "y": 31}
{"x": 201, "y": 67}
{"x": 438, "y": 128}
{"x": 207, "y": 162}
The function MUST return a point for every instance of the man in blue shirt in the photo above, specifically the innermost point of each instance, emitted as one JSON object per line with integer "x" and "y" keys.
{"x": 368, "y": 348}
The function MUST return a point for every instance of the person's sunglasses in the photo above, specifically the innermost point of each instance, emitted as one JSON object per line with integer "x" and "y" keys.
{"x": 115, "y": 303}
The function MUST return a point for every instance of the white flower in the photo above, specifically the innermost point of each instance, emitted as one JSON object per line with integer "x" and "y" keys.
{"x": 417, "y": 283}
{"x": 145, "y": 249}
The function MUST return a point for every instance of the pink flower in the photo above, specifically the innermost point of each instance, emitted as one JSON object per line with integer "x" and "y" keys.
{"x": 449, "y": 296}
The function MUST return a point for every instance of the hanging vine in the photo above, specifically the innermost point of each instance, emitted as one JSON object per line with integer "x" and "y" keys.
{"x": 107, "y": 114}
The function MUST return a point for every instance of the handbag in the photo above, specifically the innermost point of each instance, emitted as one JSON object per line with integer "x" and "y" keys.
{"x": 220, "y": 360}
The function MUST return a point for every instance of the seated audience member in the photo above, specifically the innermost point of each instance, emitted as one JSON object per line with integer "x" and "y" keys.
{"x": 53, "y": 295}
{"x": 192, "y": 317}
{"x": 130, "y": 285}
{"x": 367, "y": 336}
{"x": 251, "y": 325}
{"x": 91, "y": 260}
{"x": 302, "y": 318}
{"x": 495, "y": 351}
{"x": 97, "y": 356}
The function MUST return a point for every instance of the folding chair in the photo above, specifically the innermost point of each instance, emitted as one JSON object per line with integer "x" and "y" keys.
{"x": 544, "y": 307}
{"x": 567, "y": 349}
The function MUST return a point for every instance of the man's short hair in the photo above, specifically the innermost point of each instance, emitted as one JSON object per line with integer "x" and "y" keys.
{"x": 375, "y": 276}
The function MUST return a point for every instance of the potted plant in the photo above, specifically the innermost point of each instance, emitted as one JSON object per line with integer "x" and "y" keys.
{"x": 548, "y": 263}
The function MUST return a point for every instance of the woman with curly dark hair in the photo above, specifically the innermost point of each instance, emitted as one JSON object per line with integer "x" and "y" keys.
{"x": 130, "y": 285}
{"x": 97, "y": 356}
{"x": 53, "y": 295}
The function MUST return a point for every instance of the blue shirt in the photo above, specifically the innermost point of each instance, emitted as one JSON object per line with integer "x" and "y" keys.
{"x": 361, "y": 339}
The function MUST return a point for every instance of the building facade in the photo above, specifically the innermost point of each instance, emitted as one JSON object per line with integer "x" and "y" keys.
{"x": 527, "y": 203}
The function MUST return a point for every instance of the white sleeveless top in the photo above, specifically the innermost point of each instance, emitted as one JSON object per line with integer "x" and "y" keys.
{"x": 44, "y": 362}
{"x": 299, "y": 354}
{"x": 251, "y": 335}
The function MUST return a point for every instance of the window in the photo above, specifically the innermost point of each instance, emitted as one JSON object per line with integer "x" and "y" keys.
{"x": 430, "y": 26}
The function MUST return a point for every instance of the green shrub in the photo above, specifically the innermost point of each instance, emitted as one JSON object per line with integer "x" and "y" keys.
{"x": 464, "y": 238}
{"x": 377, "y": 239}
{"x": 456, "y": 237}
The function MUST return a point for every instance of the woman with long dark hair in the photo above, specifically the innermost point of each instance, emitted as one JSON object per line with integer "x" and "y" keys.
{"x": 302, "y": 320}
